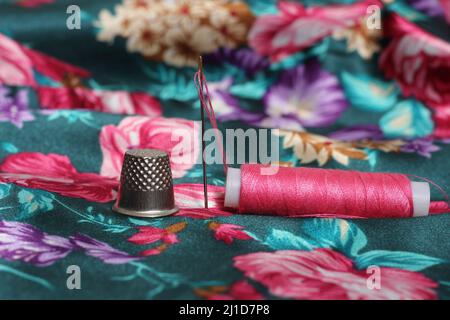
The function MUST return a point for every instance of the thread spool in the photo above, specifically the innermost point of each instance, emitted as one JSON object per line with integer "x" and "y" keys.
{"x": 325, "y": 192}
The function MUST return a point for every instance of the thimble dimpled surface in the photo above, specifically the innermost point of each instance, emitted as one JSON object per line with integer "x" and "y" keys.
{"x": 146, "y": 170}
{"x": 146, "y": 188}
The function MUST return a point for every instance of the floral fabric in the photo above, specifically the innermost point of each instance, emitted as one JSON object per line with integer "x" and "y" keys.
{"x": 343, "y": 93}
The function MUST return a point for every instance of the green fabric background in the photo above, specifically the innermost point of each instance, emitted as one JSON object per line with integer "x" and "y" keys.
{"x": 199, "y": 258}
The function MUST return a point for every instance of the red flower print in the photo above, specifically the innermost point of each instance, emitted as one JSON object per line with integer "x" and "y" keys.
{"x": 17, "y": 64}
{"x": 178, "y": 137}
{"x": 446, "y": 6}
{"x": 15, "y": 67}
{"x": 189, "y": 198}
{"x": 120, "y": 102}
{"x": 228, "y": 232}
{"x": 441, "y": 119}
{"x": 296, "y": 28}
{"x": 124, "y": 102}
{"x": 33, "y": 3}
{"x": 148, "y": 235}
{"x": 55, "y": 173}
{"x": 418, "y": 61}
{"x": 240, "y": 290}
{"x": 68, "y": 98}
{"x": 53, "y": 68}
{"x": 154, "y": 251}
{"x": 327, "y": 274}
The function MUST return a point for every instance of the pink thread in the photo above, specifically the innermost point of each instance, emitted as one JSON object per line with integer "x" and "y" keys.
{"x": 437, "y": 207}
{"x": 205, "y": 101}
{"x": 321, "y": 192}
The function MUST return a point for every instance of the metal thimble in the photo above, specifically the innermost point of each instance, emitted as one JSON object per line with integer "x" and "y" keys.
{"x": 146, "y": 186}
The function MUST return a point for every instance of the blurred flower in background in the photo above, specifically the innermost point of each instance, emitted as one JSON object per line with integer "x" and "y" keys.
{"x": 176, "y": 32}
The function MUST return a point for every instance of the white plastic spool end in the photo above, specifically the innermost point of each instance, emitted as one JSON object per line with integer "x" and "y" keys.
{"x": 233, "y": 188}
{"x": 421, "y": 198}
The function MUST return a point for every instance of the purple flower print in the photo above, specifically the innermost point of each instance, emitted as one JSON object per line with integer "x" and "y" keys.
{"x": 307, "y": 94}
{"x": 359, "y": 132}
{"x": 101, "y": 250}
{"x": 21, "y": 241}
{"x": 226, "y": 107}
{"x": 14, "y": 109}
{"x": 423, "y": 147}
{"x": 3, "y": 93}
{"x": 432, "y": 8}
{"x": 246, "y": 59}
{"x": 286, "y": 123}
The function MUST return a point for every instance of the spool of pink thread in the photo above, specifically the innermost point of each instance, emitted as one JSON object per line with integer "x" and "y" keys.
{"x": 325, "y": 193}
